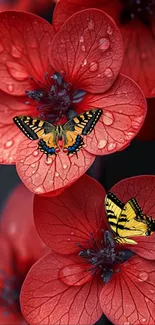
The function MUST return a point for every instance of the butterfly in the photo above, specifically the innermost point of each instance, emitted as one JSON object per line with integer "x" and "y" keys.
{"x": 53, "y": 138}
{"x": 127, "y": 220}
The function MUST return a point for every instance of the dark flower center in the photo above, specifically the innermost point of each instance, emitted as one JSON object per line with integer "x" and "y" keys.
{"x": 141, "y": 9}
{"x": 55, "y": 98}
{"x": 105, "y": 256}
{"x": 9, "y": 292}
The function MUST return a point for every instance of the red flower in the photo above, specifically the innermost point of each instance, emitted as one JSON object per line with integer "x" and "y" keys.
{"x": 135, "y": 20}
{"x": 20, "y": 247}
{"x": 81, "y": 72}
{"x": 88, "y": 273}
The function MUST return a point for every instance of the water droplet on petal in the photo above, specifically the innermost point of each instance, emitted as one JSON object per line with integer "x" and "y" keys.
{"x": 108, "y": 72}
{"x": 81, "y": 39}
{"x": 84, "y": 63}
{"x": 68, "y": 239}
{"x": 104, "y": 44}
{"x": 72, "y": 233}
{"x": 38, "y": 190}
{"x": 49, "y": 160}
{"x": 108, "y": 118}
{"x": 153, "y": 91}
{"x": 93, "y": 66}
{"x": 147, "y": 300}
{"x": 152, "y": 291}
{"x": 129, "y": 135}
{"x": 35, "y": 153}
{"x": 143, "y": 276}
{"x": 83, "y": 48}
{"x": 16, "y": 52}
{"x": 99, "y": 75}
{"x": 17, "y": 71}
{"x": 10, "y": 88}
{"x": 111, "y": 146}
{"x": 102, "y": 143}
{"x": 143, "y": 320}
{"x": 21, "y": 160}
{"x": 56, "y": 174}
{"x": 8, "y": 144}
{"x": 127, "y": 323}
{"x": 109, "y": 30}
{"x": 33, "y": 165}
{"x": 64, "y": 166}
{"x": 91, "y": 25}
{"x": 1, "y": 48}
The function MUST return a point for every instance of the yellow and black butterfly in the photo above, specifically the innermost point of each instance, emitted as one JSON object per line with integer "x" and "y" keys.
{"x": 67, "y": 136}
{"x": 127, "y": 220}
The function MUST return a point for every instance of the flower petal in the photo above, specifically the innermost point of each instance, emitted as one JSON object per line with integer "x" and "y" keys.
{"x": 129, "y": 297}
{"x": 6, "y": 257}
{"x": 75, "y": 274}
{"x": 72, "y": 216}
{"x": 66, "y": 8}
{"x": 45, "y": 299}
{"x": 124, "y": 111}
{"x": 17, "y": 223}
{"x": 10, "y": 135}
{"x": 143, "y": 189}
{"x": 140, "y": 49}
{"x": 23, "y": 50}
{"x": 89, "y": 49}
{"x": 41, "y": 175}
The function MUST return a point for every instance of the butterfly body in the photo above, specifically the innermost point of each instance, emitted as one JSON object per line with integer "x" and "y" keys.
{"x": 127, "y": 220}
{"x": 67, "y": 137}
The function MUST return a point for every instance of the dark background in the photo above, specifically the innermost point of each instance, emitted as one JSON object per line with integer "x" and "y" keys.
{"x": 137, "y": 159}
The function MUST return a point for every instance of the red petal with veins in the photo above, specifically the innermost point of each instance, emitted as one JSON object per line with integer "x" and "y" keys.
{"x": 25, "y": 39}
{"x": 17, "y": 223}
{"x": 10, "y": 135}
{"x": 143, "y": 189}
{"x": 129, "y": 297}
{"x": 45, "y": 299}
{"x": 124, "y": 111}
{"x": 72, "y": 217}
{"x": 75, "y": 274}
{"x": 41, "y": 175}
{"x": 89, "y": 49}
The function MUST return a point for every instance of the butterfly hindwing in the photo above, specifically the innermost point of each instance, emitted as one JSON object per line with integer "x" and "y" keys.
{"x": 127, "y": 220}
{"x": 35, "y": 129}
{"x": 81, "y": 124}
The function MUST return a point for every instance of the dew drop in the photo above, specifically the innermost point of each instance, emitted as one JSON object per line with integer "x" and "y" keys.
{"x": 84, "y": 63}
{"x": 10, "y": 88}
{"x": 143, "y": 320}
{"x": 21, "y": 160}
{"x": 91, "y": 25}
{"x": 108, "y": 118}
{"x": 143, "y": 276}
{"x": 56, "y": 174}
{"x": 38, "y": 190}
{"x": 35, "y": 153}
{"x": 16, "y": 52}
{"x": 83, "y": 48}
{"x": 153, "y": 91}
{"x": 93, "y": 66}
{"x": 64, "y": 166}
{"x": 99, "y": 75}
{"x": 127, "y": 323}
{"x": 49, "y": 161}
{"x": 152, "y": 291}
{"x": 73, "y": 163}
{"x": 102, "y": 143}
{"x": 68, "y": 239}
{"x": 109, "y": 30}
{"x": 147, "y": 300}
{"x": 17, "y": 71}
{"x": 33, "y": 165}
{"x": 104, "y": 44}
{"x": 81, "y": 39}
{"x": 72, "y": 233}
{"x": 1, "y": 48}
{"x": 111, "y": 146}
{"x": 108, "y": 72}
{"x": 8, "y": 144}
{"x": 129, "y": 135}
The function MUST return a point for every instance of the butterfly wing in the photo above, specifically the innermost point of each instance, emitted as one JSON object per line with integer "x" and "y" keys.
{"x": 35, "y": 129}
{"x": 81, "y": 124}
{"x": 113, "y": 207}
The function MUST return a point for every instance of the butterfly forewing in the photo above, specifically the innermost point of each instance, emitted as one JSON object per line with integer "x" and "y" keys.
{"x": 32, "y": 127}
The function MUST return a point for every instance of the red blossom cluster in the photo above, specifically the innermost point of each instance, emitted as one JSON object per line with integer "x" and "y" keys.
{"x": 66, "y": 87}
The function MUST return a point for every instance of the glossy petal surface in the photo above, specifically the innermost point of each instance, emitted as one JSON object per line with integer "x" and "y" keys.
{"x": 47, "y": 300}
{"x": 129, "y": 297}
{"x": 41, "y": 175}
{"x": 89, "y": 49}
{"x": 124, "y": 110}
{"x": 143, "y": 189}
{"x": 10, "y": 135}
{"x": 23, "y": 50}
{"x": 17, "y": 223}
{"x": 72, "y": 216}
